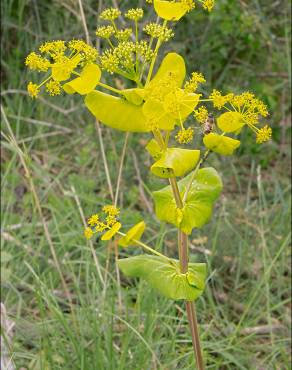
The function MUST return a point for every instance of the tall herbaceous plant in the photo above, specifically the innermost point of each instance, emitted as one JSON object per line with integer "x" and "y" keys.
{"x": 167, "y": 105}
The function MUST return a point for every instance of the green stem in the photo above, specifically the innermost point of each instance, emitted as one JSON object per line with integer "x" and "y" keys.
{"x": 183, "y": 258}
{"x": 145, "y": 246}
{"x": 159, "y": 42}
{"x": 110, "y": 88}
{"x": 199, "y": 165}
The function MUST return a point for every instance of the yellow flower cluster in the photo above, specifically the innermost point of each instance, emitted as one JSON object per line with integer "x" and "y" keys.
{"x": 201, "y": 114}
{"x": 33, "y": 90}
{"x": 192, "y": 84}
{"x": 105, "y": 31}
{"x": 185, "y": 136}
{"x": 135, "y": 14}
{"x": 35, "y": 62}
{"x": 53, "y": 87}
{"x": 98, "y": 223}
{"x": 208, "y": 4}
{"x": 123, "y": 35}
{"x": 264, "y": 134}
{"x": 61, "y": 65}
{"x": 188, "y": 5}
{"x": 122, "y": 57}
{"x": 158, "y": 31}
{"x": 220, "y": 100}
{"x": 110, "y": 14}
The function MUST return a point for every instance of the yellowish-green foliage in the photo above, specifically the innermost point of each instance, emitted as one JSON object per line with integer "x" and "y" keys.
{"x": 170, "y": 105}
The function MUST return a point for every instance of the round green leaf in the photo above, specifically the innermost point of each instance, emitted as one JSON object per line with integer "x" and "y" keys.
{"x": 204, "y": 191}
{"x": 116, "y": 112}
{"x": 134, "y": 233}
{"x": 164, "y": 276}
{"x": 230, "y": 121}
{"x": 221, "y": 144}
{"x": 87, "y": 81}
{"x": 175, "y": 162}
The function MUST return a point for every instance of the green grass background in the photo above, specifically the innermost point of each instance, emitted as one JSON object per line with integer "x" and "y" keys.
{"x": 244, "y": 314}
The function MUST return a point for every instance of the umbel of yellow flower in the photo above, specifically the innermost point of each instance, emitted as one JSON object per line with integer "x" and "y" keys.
{"x": 61, "y": 60}
{"x": 106, "y": 221}
{"x": 243, "y": 109}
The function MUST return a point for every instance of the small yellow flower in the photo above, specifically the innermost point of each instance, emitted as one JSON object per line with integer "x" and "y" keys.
{"x": 111, "y": 210}
{"x": 123, "y": 35}
{"x": 110, "y": 14}
{"x": 53, "y": 87}
{"x": 193, "y": 83}
{"x": 93, "y": 220}
{"x": 158, "y": 31}
{"x": 105, "y": 31}
{"x": 134, "y": 14}
{"x": 88, "y": 233}
{"x": 264, "y": 134}
{"x": 220, "y": 100}
{"x": 53, "y": 48}
{"x": 188, "y": 5}
{"x": 36, "y": 62}
{"x": 208, "y": 4}
{"x": 33, "y": 90}
{"x": 185, "y": 136}
{"x": 201, "y": 114}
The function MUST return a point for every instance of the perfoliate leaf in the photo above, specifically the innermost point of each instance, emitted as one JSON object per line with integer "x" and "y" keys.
{"x": 165, "y": 276}
{"x": 172, "y": 65}
{"x": 87, "y": 81}
{"x": 156, "y": 115}
{"x": 134, "y": 233}
{"x": 175, "y": 162}
{"x": 197, "y": 211}
{"x": 169, "y": 10}
{"x": 116, "y": 112}
{"x": 134, "y": 96}
{"x": 62, "y": 71}
{"x": 154, "y": 149}
{"x": 180, "y": 104}
{"x": 112, "y": 232}
{"x": 230, "y": 121}
{"x": 221, "y": 144}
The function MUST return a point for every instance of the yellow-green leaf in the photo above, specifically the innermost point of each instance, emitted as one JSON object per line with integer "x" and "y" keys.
{"x": 180, "y": 104}
{"x": 169, "y": 10}
{"x": 175, "y": 162}
{"x": 230, "y": 121}
{"x": 164, "y": 276}
{"x": 156, "y": 115}
{"x": 134, "y": 96}
{"x": 62, "y": 71}
{"x": 134, "y": 233}
{"x": 87, "y": 81}
{"x": 154, "y": 149}
{"x": 221, "y": 144}
{"x": 204, "y": 191}
{"x": 112, "y": 232}
{"x": 116, "y": 112}
{"x": 172, "y": 65}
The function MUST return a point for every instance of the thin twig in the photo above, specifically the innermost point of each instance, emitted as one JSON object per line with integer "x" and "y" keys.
{"x": 121, "y": 169}
{"x": 109, "y": 182}
{"x": 84, "y": 22}
{"x": 95, "y": 259}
